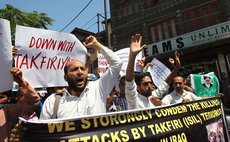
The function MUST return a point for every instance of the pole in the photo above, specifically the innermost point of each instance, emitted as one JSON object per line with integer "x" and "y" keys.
{"x": 98, "y": 26}
{"x": 106, "y": 24}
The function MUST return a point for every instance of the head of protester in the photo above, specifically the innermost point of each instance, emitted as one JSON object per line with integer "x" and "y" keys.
{"x": 178, "y": 84}
{"x": 145, "y": 84}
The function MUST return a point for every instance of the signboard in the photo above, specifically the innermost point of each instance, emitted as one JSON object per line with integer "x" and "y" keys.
{"x": 158, "y": 71}
{"x": 206, "y": 35}
{"x": 6, "y": 82}
{"x": 201, "y": 121}
{"x": 124, "y": 55}
{"x": 43, "y": 54}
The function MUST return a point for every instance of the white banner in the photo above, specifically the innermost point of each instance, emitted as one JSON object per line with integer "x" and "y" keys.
{"x": 124, "y": 55}
{"x": 6, "y": 82}
{"x": 102, "y": 64}
{"x": 158, "y": 71}
{"x": 43, "y": 54}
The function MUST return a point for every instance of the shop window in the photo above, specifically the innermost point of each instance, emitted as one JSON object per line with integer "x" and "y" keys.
{"x": 164, "y": 30}
{"x": 136, "y": 6}
{"x": 188, "y": 22}
{"x": 130, "y": 8}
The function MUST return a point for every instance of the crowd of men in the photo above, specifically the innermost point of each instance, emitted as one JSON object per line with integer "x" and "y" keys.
{"x": 83, "y": 97}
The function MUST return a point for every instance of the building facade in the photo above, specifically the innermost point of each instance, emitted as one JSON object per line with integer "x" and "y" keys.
{"x": 199, "y": 30}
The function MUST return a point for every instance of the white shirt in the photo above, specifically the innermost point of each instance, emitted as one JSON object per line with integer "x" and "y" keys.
{"x": 136, "y": 100}
{"x": 93, "y": 99}
{"x": 173, "y": 98}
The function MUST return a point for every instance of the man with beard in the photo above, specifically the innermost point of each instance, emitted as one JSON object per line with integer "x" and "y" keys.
{"x": 83, "y": 97}
{"x": 179, "y": 94}
{"x": 140, "y": 91}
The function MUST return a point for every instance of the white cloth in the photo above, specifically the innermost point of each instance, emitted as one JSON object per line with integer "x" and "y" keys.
{"x": 93, "y": 99}
{"x": 136, "y": 100}
{"x": 173, "y": 98}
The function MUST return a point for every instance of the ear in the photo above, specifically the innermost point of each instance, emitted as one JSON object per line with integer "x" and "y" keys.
{"x": 65, "y": 77}
{"x": 138, "y": 88}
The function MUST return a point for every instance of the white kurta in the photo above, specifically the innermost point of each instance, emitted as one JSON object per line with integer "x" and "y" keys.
{"x": 93, "y": 99}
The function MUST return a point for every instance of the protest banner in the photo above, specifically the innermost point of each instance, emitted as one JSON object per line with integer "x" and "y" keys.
{"x": 6, "y": 82}
{"x": 102, "y": 64}
{"x": 158, "y": 72}
{"x": 198, "y": 121}
{"x": 205, "y": 85}
{"x": 43, "y": 54}
{"x": 124, "y": 56}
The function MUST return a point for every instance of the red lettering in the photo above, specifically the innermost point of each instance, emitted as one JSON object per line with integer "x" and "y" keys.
{"x": 43, "y": 43}
{"x": 49, "y": 44}
{"x": 52, "y": 62}
{"x": 17, "y": 58}
{"x": 47, "y": 67}
{"x": 70, "y": 48}
{"x": 59, "y": 61}
{"x": 67, "y": 59}
{"x": 33, "y": 60}
{"x": 61, "y": 45}
{"x": 42, "y": 62}
{"x": 32, "y": 42}
{"x": 24, "y": 61}
{"x": 102, "y": 63}
{"x": 38, "y": 43}
{"x": 66, "y": 46}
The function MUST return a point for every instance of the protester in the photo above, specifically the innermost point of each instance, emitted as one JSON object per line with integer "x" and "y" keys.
{"x": 10, "y": 112}
{"x": 179, "y": 94}
{"x": 138, "y": 91}
{"x": 83, "y": 97}
{"x": 120, "y": 100}
{"x": 110, "y": 105}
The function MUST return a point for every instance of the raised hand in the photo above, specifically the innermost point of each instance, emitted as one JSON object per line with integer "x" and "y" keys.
{"x": 155, "y": 101}
{"x": 135, "y": 46}
{"x": 14, "y": 52}
{"x": 172, "y": 62}
{"x": 91, "y": 42}
{"x": 17, "y": 74}
{"x": 177, "y": 60}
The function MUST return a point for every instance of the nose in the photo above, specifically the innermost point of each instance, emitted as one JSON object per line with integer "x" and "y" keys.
{"x": 79, "y": 70}
{"x": 151, "y": 88}
{"x": 177, "y": 85}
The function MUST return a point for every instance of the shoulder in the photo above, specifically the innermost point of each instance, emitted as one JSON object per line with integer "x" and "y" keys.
{"x": 50, "y": 99}
{"x": 189, "y": 93}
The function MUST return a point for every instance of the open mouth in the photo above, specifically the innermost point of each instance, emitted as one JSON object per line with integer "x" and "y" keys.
{"x": 80, "y": 81}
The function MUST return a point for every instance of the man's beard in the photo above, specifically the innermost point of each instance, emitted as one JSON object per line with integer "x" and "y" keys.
{"x": 73, "y": 86}
{"x": 147, "y": 94}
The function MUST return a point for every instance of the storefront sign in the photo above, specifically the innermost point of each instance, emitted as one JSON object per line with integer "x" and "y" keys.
{"x": 206, "y": 35}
